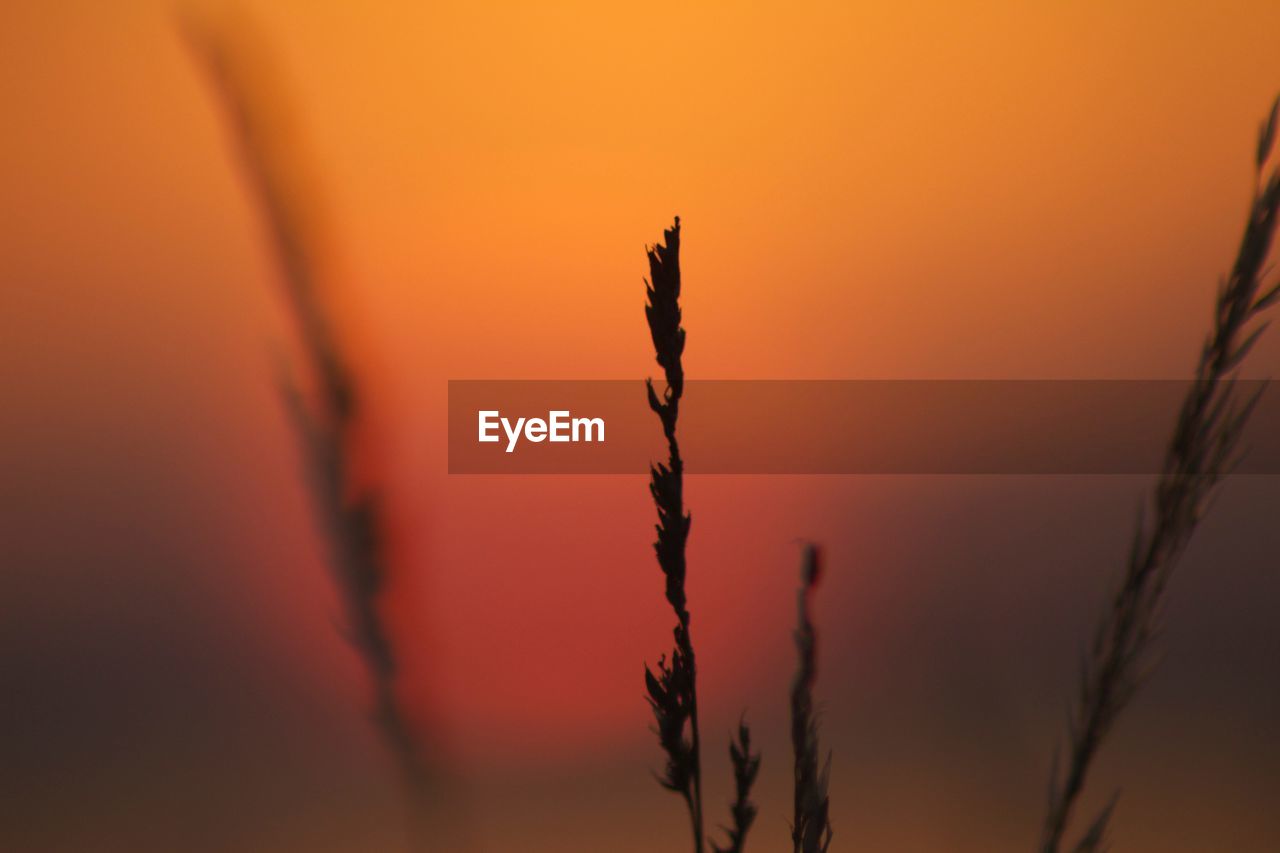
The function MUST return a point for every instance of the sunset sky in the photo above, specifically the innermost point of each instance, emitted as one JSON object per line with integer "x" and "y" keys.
{"x": 867, "y": 190}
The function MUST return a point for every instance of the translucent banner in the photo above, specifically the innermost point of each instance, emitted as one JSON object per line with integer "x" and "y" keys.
{"x": 837, "y": 427}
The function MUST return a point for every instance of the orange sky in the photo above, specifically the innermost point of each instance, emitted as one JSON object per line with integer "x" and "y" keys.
{"x": 904, "y": 189}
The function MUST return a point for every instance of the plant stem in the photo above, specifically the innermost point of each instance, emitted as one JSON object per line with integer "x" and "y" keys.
{"x": 1201, "y": 452}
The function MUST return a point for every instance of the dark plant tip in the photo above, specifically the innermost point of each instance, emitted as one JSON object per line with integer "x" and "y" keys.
{"x": 812, "y": 565}
{"x": 1267, "y": 133}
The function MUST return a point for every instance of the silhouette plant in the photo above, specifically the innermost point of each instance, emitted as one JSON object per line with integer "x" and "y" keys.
{"x": 329, "y": 421}
{"x": 810, "y": 823}
{"x": 672, "y": 689}
{"x": 673, "y": 693}
{"x": 746, "y": 766}
{"x": 1202, "y": 450}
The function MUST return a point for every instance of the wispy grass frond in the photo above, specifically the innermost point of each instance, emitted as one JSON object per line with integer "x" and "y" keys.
{"x": 328, "y": 421}
{"x": 672, "y": 690}
{"x": 1094, "y": 839}
{"x": 811, "y": 823}
{"x": 746, "y": 766}
{"x": 1202, "y": 450}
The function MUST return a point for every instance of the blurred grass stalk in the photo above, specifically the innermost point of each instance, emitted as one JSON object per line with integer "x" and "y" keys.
{"x": 811, "y": 817}
{"x": 329, "y": 420}
{"x": 1203, "y": 449}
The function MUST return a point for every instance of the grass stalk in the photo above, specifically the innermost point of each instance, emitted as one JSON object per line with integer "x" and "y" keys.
{"x": 810, "y": 823}
{"x": 1202, "y": 450}
{"x": 328, "y": 421}
{"x": 746, "y": 766}
{"x": 672, "y": 690}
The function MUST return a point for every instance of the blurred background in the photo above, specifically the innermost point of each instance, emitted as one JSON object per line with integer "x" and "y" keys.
{"x": 868, "y": 190}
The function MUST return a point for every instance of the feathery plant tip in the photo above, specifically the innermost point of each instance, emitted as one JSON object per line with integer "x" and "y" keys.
{"x": 746, "y": 766}
{"x": 1203, "y": 449}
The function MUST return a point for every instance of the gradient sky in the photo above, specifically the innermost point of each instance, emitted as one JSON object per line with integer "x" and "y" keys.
{"x": 887, "y": 190}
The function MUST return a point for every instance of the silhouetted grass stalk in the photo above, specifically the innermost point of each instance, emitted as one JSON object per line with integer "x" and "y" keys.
{"x": 328, "y": 421}
{"x": 1202, "y": 450}
{"x": 810, "y": 823}
{"x": 672, "y": 690}
{"x": 746, "y": 766}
